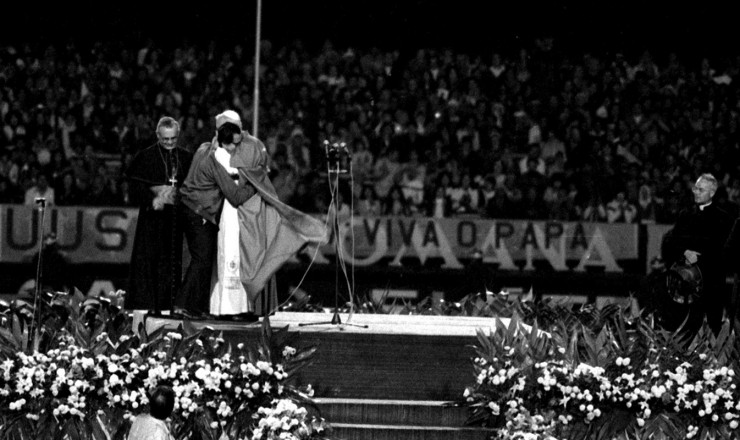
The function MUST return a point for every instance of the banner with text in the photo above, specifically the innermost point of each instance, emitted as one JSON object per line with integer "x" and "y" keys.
{"x": 511, "y": 244}
{"x": 105, "y": 235}
{"x": 84, "y": 234}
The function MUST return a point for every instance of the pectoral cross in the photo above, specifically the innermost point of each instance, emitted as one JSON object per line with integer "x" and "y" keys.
{"x": 173, "y": 178}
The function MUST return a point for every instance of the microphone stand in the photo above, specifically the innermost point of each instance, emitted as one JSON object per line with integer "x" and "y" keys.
{"x": 41, "y": 201}
{"x": 333, "y": 167}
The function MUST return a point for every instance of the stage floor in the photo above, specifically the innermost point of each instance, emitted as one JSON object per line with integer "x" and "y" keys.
{"x": 380, "y": 324}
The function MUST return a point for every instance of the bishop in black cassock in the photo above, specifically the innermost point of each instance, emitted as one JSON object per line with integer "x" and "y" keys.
{"x": 156, "y": 258}
{"x": 703, "y": 228}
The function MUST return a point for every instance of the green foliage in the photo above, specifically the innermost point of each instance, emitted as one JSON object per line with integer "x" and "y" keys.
{"x": 74, "y": 368}
{"x": 602, "y": 374}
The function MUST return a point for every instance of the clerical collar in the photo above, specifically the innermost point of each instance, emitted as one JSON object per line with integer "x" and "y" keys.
{"x": 701, "y": 207}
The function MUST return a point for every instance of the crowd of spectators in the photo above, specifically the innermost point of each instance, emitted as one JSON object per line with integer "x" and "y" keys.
{"x": 533, "y": 134}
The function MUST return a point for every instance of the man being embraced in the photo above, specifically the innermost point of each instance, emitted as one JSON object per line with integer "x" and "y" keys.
{"x": 254, "y": 235}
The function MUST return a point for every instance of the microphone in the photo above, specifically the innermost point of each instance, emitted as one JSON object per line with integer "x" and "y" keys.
{"x": 337, "y": 157}
{"x": 41, "y": 201}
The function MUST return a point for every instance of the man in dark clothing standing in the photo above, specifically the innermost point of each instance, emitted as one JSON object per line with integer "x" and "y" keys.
{"x": 698, "y": 238}
{"x": 155, "y": 174}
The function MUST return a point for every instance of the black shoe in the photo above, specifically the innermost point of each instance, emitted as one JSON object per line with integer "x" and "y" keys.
{"x": 244, "y": 317}
{"x": 192, "y": 315}
{"x": 221, "y": 317}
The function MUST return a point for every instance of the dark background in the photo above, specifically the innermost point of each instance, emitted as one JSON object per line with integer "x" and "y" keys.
{"x": 701, "y": 29}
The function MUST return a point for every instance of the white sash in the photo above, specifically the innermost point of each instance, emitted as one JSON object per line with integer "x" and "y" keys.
{"x": 228, "y": 295}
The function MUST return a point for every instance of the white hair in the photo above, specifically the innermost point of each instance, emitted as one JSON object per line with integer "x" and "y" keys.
{"x": 168, "y": 122}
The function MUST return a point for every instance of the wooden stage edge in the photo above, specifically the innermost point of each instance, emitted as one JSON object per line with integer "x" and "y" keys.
{"x": 396, "y": 357}
{"x": 316, "y": 323}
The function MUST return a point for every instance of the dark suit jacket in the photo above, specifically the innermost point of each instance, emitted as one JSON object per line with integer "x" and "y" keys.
{"x": 208, "y": 183}
{"x": 704, "y": 231}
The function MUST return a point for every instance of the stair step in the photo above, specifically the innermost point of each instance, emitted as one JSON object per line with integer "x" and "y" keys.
{"x": 392, "y": 412}
{"x": 358, "y": 431}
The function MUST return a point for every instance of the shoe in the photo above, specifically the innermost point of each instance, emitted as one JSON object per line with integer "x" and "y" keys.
{"x": 198, "y": 314}
{"x": 221, "y": 317}
{"x": 179, "y": 313}
{"x": 243, "y": 317}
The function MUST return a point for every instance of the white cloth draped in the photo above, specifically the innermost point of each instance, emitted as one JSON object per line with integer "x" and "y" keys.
{"x": 228, "y": 295}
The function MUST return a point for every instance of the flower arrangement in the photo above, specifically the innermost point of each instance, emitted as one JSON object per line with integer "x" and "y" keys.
{"x": 91, "y": 375}
{"x": 621, "y": 378}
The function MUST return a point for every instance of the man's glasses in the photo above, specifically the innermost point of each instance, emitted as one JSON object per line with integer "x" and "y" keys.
{"x": 168, "y": 140}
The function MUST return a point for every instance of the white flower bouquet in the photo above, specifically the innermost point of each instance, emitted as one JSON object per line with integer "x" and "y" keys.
{"x": 89, "y": 376}
{"x": 622, "y": 379}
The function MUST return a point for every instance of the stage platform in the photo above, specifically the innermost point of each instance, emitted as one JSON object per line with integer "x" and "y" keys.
{"x": 406, "y": 357}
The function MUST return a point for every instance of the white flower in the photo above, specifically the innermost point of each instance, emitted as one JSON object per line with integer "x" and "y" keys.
{"x": 288, "y": 351}
{"x": 17, "y": 404}
{"x": 495, "y": 409}
{"x": 201, "y": 373}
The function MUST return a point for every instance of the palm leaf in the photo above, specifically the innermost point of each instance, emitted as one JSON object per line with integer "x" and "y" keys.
{"x": 606, "y": 428}
{"x": 663, "y": 426}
